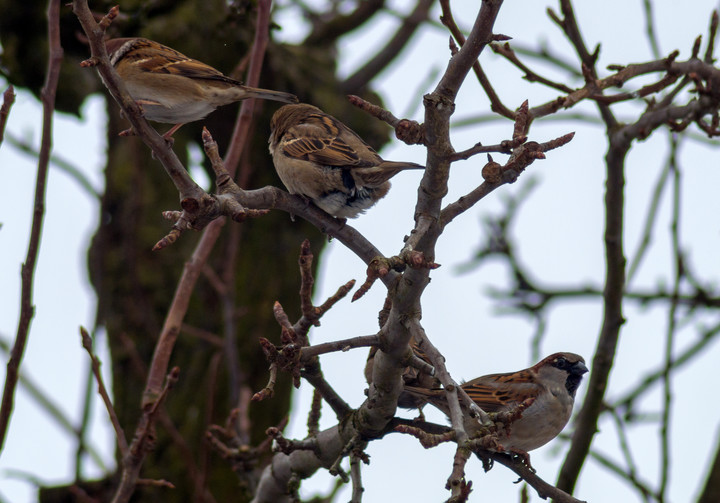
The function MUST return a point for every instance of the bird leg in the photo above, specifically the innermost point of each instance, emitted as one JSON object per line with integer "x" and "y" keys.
{"x": 168, "y": 136}
{"x": 127, "y": 132}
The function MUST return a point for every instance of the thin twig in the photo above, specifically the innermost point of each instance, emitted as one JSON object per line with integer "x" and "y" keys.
{"x": 629, "y": 473}
{"x": 356, "y": 477}
{"x": 74, "y": 172}
{"x": 162, "y": 151}
{"x": 339, "y": 406}
{"x": 647, "y": 383}
{"x": 247, "y": 107}
{"x": 651, "y": 214}
{"x": 507, "y": 52}
{"x": 642, "y": 487}
{"x": 95, "y": 361}
{"x": 313, "y": 422}
{"x": 714, "y": 19}
{"x": 341, "y": 345}
{"x": 27, "y": 310}
{"x": 326, "y": 30}
{"x": 544, "y": 489}
{"x": 677, "y": 256}
{"x": 650, "y": 28}
{"x": 142, "y": 442}
{"x": 391, "y": 50}
{"x": 8, "y": 100}
{"x": 48, "y": 406}
{"x": 496, "y": 104}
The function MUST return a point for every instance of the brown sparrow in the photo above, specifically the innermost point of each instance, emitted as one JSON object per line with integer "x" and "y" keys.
{"x": 175, "y": 89}
{"x": 320, "y": 158}
{"x": 412, "y": 377}
{"x": 547, "y": 390}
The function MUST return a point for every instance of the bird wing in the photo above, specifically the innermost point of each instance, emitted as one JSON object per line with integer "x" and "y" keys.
{"x": 501, "y": 392}
{"x": 165, "y": 59}
{"x": 319, "y": 138}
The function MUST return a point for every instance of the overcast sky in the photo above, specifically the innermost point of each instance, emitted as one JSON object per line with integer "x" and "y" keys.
{"x": 559, "y": 234}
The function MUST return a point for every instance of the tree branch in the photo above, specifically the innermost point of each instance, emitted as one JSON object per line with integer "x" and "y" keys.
{"x": 27, "y": 310}
{"x": 8, "y": 100}
{"x": 392, "y": 49}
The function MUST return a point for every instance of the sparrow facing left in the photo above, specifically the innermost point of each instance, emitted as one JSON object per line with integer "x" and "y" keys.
{"x": 173, "y": 88}
{"x": 547, "y": 388}
{"x": 321, "y": 159}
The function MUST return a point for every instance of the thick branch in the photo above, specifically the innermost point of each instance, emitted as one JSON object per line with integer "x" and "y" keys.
{"x": 586, "y": 425}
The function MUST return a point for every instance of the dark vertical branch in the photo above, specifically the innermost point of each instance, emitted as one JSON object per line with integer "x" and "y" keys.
{"x": 210, "y": 235}
{"x": 247, "y": 107}
{"x": 27, "y": 310}
{"x": 586, "y": 425}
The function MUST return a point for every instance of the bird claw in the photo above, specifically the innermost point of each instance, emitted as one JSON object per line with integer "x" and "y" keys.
{"x": 169, "y": 139}
{"x": 524, "y": 456}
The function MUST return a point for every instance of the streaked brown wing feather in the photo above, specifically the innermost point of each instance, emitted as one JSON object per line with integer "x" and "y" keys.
{"x": 495, "y": 393}
{"x": 170, "y": 61}
{"x": 317, "y": 139}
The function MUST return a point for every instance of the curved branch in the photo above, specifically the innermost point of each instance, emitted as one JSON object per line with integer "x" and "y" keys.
{"x": 329, "y": 31}
{"x": 392, "y": 49}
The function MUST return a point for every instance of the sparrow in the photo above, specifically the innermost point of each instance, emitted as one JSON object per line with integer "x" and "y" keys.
{"x": 173, "y": 88}
{"x": 323, "y": 160}
{"x": 546, "y": 391}
{"x": 412, "y": 377}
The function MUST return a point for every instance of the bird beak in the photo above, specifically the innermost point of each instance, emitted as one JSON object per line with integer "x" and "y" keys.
{"x": 578, "y": 369}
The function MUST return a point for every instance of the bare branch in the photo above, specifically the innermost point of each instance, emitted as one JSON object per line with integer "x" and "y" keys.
{"x": 247, "y": 107}
{"x": 95, "y": 361}
{"x": 406, "y": 130}
{"x": 544, "y": 489}
{"x": 495, "y": 104}
{"x": 506, "y": 51}
{"x": 342, "y": 345}
{"x": 8, "y": 100}
{"x": 390, "y": 51}
{"x": 328, "y": 31}
{"x": 188, "y": 189}
{"x": 27, "y": 311}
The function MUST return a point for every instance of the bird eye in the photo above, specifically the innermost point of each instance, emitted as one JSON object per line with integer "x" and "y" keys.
{"x": 561, "y": 362}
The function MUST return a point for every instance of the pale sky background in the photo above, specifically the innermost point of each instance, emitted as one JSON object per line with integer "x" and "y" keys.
{"x": 558, "y": 232}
